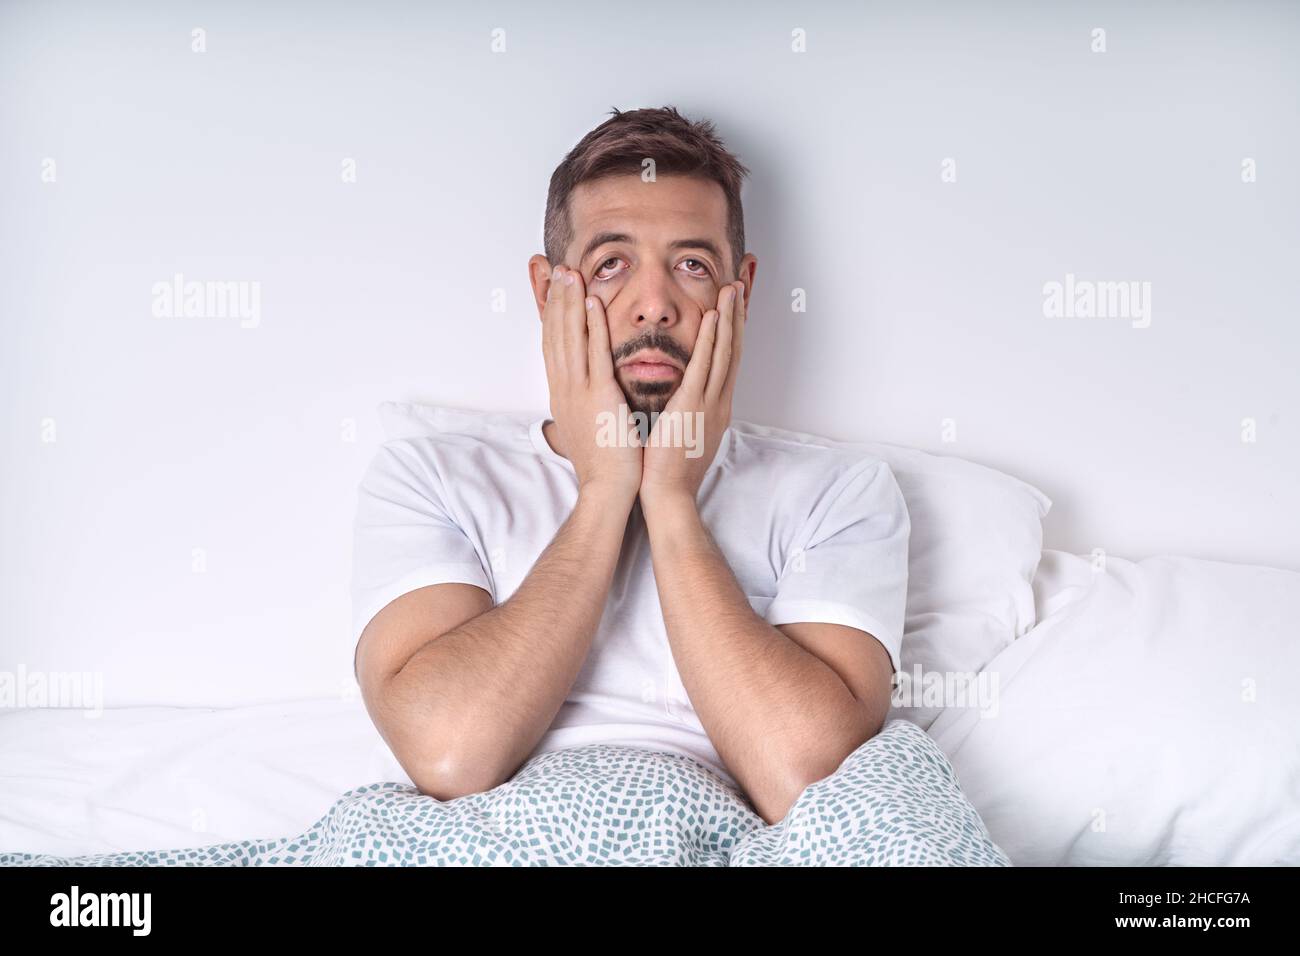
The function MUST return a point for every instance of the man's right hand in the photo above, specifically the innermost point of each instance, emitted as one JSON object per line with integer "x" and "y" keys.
{"x": 580, "y": 372}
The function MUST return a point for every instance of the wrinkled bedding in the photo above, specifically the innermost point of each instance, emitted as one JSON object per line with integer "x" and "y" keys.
{"x": 894, "y": 801}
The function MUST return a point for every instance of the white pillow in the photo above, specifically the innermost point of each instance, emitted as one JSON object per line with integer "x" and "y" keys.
{"x": 1149, "y": 719}
{"x": 977, "y": 535}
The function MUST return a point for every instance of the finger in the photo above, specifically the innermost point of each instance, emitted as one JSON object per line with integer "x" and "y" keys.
{"x": 564, "y": 324}
{"x": 575, "y": 326}
{"x": 722, "y": 344}
{"x": 553, "y": 326}
{"x": 737, "y": 342}
{"x": 697, "y": 369}
{"x": 600, "y": 359}
{"x": 550, "y": 339}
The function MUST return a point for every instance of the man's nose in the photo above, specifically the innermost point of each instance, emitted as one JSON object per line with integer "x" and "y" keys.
{"x": 654, "y": 302}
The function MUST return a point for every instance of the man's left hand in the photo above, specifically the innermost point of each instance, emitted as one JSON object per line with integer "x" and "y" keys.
{"x": 700, "y": 410}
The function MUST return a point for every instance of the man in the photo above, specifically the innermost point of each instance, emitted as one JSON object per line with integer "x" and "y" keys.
{"x": 736, "y": 598}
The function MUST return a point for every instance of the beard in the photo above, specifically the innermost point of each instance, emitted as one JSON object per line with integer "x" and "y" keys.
{"x": 648, "y": 398}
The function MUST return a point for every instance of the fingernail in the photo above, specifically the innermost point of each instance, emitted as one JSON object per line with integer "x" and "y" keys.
{"x": 568, "y": 278}
{"x": 591, "y": 303}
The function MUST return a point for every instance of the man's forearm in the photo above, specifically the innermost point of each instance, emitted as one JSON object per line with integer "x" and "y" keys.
{"x": 484, "y": 693}
{"x": 779, "y": 717}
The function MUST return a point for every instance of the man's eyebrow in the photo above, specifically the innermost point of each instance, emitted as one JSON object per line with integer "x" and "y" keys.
{"x": 601, "y": 238}
{"x": 708, "y": 245}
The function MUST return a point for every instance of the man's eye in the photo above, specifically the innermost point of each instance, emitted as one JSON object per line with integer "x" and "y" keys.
{"x": 704, "y": 269}
{"x": 600, "y": 268}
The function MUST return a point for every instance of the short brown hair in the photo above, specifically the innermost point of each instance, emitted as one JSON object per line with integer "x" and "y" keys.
{"x": 621, "y": 143}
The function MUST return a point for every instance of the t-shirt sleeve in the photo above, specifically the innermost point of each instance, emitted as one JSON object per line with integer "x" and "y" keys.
{"x": 403, "y": 537}
{"x": 849, "y": 564}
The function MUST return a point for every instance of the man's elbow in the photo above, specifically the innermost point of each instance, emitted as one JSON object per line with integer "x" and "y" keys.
{"x": 437, "y": 757}
{"x": 811, "y": 768}
{"x": 775, "y": 802}
{"x": 446, "y": 776}
{"x": 441, "y": 759}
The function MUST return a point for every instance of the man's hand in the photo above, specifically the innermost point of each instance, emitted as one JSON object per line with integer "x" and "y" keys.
{"x": 580, "y": 372}
{"x": 704, "y": 396}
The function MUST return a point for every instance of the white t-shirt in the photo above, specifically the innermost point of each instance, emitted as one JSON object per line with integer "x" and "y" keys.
{"x": 812, "y": 533}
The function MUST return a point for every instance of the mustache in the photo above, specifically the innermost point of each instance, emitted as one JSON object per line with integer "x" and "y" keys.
{"x": 653, "y": 340}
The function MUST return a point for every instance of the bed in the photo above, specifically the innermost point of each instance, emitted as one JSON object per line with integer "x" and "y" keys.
{"x": 1136, "y": 762}
{"x": 1130, "y": 713}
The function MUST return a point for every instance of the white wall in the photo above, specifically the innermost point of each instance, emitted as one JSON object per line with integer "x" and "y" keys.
{"x": 925, "y": 298}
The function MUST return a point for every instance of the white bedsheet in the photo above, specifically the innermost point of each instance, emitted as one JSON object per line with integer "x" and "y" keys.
{"x": 165, "y": 777}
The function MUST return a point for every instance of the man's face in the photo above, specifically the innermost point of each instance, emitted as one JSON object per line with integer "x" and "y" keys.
{"x": 656, "y": 254}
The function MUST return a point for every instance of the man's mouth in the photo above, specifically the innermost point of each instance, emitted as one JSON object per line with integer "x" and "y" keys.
{"x": 650, "y": 364}
{"x": 651, "y": 370}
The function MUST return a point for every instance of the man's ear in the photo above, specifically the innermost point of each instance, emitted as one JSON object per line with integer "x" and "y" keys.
{"x": 746, "y": 272}
{"x": 539, "y": 277}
